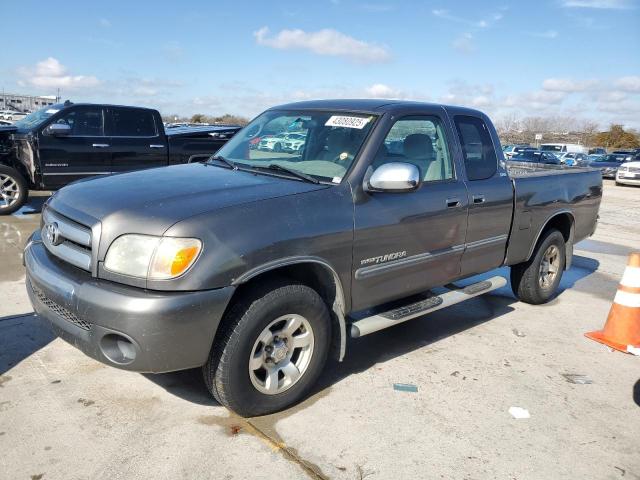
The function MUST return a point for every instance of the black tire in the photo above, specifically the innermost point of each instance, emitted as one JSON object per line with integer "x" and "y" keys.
{"x": 277, "y": 148}
{"x": 10, "y": 174}
{"x": 525, "y": 277}
{"x": 226, "y": 372}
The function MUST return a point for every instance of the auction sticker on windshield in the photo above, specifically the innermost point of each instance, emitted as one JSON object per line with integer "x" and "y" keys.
{"x": 347, "y": 122}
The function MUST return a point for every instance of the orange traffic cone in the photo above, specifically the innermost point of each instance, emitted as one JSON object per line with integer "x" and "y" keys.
{"x": 622, "y": 330}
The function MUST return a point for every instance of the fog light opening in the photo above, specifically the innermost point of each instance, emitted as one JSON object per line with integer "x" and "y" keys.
{"x": 118, "y": 348}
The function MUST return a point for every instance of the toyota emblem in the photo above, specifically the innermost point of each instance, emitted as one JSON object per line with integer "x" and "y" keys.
{"x": 52, "y": 233}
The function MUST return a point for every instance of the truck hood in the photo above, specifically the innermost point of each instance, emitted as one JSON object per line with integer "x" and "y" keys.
{"x": 7, "y": 129}
{"x": 150, "y": 201}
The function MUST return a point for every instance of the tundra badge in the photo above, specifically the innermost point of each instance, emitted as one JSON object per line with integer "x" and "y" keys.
{"x": 384, "y": 258}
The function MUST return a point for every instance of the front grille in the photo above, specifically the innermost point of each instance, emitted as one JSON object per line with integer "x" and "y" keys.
{"x": 634, "y": 169}
{"x": 67, "y": 239}
{"x": 59, "y": 309}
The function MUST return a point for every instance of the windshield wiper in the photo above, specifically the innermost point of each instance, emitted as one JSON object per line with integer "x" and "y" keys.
{"x": 227, "y": 162}
{"x": 290, "y": 171}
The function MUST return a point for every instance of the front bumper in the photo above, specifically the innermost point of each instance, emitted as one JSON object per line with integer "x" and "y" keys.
{"x": 122, "y": 326}
{"x": 628, "y": 180}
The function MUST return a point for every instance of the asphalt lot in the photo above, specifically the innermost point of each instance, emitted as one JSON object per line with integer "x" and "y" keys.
{"x": 65, "y": 416}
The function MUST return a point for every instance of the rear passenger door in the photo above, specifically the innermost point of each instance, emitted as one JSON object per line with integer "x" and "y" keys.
{"x": 490, "y": 196}
{"x": 136, "y": 141}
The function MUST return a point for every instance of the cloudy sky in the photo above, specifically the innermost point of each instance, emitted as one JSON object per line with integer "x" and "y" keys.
{"x": 576, "y": 58}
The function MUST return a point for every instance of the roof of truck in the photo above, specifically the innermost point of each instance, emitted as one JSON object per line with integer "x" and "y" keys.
{"x": 87, "y": 104}
{"x": 367, "y": 105}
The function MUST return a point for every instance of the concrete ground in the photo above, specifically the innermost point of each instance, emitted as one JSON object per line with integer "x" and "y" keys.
{"x": 65, "y": 416}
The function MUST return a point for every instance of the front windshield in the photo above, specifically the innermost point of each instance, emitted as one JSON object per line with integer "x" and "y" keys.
{"x": 320, "y": 144}
{"x": 36, "y": 118}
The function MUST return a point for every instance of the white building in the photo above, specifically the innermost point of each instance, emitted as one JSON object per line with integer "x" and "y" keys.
{"x": 25, "y": 103}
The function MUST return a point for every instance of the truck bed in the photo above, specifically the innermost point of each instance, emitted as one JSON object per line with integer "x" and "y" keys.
{"x": 529, "y": 169}
{"x": 187, "y": 141}
{"x": 544, "y": 191}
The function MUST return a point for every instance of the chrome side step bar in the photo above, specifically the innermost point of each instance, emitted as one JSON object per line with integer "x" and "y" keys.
{"x": 393, "y": 317}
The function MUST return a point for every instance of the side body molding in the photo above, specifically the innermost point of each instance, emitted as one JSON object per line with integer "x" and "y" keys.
{"x": 338, "y": 306}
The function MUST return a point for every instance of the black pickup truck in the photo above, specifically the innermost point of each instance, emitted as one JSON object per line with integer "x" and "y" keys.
{"x": 258, "y": 264}
{"x": 66, "y": 142}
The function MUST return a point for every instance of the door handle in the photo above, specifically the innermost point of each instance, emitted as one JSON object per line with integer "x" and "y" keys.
{"x": 478, "y": 199}
{"x": 101, "y": 145}
{"x": 156, "y": 146}
{"x": 453, "y": 202}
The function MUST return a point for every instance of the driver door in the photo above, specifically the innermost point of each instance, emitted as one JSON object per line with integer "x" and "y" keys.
{"x": 406, "y": 243}
{"x": 84, "y": 152}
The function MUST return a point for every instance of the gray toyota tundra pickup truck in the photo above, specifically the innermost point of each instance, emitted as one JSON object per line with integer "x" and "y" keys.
{"x": 256, "y": 265}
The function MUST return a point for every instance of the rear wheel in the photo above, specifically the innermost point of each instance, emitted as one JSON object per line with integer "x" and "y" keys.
{"x": 271, "y": 351}
{"x": 536, "y": 280}
{"x": 13, "y": 190}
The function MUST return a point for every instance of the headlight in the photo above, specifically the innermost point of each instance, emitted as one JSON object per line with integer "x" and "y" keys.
{"x": 155, "y": 258}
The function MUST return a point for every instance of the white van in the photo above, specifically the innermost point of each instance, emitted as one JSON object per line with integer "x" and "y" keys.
{"x": 561, "y": 148}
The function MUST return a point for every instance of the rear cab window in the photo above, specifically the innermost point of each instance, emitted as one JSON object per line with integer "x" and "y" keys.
{"x": 479, "y": 155}
{"x": 132, "y": 122}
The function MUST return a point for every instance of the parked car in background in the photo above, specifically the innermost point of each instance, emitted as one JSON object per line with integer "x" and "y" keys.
{"x": 592, "y": 158}
{"x": 272, "y": 143}
{"x": 294, "y": 142}
{"x": 17, "y": 116}
{"x": 282, "y": 142}
{"x": 66, "y": 142}
{"x": 629, "y": 155}
{"x": 511, "y": 150}
{"x": 7, "y": 114}
{"x": 572, "y": 159}
{"x": 597, "y": 151}
{"x": 535, "y": 156}
{"x": 258, "y": 266}
{"x": 561, "y": 148}
{"x": 608, "y": 164}
{"x": 628, "y": 173}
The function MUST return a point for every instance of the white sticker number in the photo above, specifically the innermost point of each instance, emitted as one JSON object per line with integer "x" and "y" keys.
{"x": 347, "y": 122}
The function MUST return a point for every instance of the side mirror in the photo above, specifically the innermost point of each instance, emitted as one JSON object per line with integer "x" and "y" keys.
{"x": 58, "y": 130}
{"x": 393, "y": 177}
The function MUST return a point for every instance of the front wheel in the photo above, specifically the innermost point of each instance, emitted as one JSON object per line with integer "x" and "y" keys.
{"x": 13, "y": 190}
{"x": 536, "y": 280}
{"x": 271, "y": 351}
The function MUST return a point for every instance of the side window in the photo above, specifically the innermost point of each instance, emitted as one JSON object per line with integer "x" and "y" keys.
{"x": 84, "y": 121}
{"x": 480, "y": 159}
{"x": 419, "y": 140}
{"x": 130, "y": 122}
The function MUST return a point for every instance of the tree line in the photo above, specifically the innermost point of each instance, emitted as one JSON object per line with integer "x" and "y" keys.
{"x": 227, "y": 118}
{"x": 513, "y": 129}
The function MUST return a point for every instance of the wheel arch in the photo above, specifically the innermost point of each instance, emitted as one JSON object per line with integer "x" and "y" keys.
{"x": 317, "y": 274}
{"x": 564, "y": 222}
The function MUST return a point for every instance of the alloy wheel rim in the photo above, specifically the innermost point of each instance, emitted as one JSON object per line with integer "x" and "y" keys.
{"x": 549, "y": 267}
{"x": 9, "y": 191}
{"x": 281, "y": 354}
